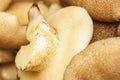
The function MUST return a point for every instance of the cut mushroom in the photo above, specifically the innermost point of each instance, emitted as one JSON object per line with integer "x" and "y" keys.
{"x": 74, "y": 31}
{"x": 43, "y": 43}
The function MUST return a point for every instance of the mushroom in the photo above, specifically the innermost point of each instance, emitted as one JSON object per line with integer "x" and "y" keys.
{"x": 4, "y": 4}
{"x": 74, "y": 29}
{"x": 8, "y": 71}
{"x": 6, "y": 56}
{"x": 118, "y": 30}
{"x": 12, "y": 34}
{"x": 103, "y": 30}
{"x": 100, "y": 10}
{"x": 50, "y": 2}
{"x": 99, "y": 61}
{"x": 43, "y": 44}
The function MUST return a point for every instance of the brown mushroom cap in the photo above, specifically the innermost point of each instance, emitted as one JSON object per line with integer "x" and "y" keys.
{"x": 118, "y": 30}
{"x": 4, "y": 4}
{"x": 99, "y": 61}
{"x": 12, "y": 34}
{"x": 101, "y": 10}
{"x": 49, "y": 2}
{"x": 104, "y": 30}
{"x": 8, "y": 71}
{"x": 6, "y": 56}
